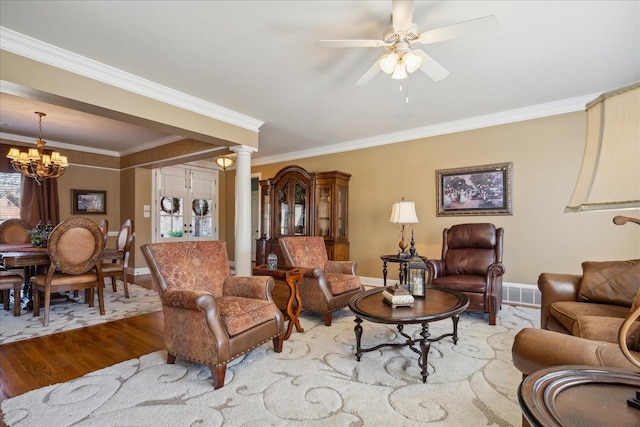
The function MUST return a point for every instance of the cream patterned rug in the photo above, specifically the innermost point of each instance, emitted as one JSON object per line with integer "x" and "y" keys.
{"x": 315, "y": 381}
{"x": 69, "y": 315}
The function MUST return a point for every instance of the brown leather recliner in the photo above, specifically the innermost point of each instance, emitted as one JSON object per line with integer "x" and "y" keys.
{"x": 472, "y": 264}
{"x": 327, "y": 285}
{"x": 210, "y": 316}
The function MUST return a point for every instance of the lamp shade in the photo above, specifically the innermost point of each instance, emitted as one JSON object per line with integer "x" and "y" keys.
{"x": 388, "y": 62}
{"x": 609, "y": 177}
{"x": 404, "y": 212}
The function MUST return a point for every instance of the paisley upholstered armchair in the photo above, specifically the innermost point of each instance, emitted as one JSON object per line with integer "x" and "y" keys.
{"x": 210, "y": 316}
{"x": 327, "y": 285}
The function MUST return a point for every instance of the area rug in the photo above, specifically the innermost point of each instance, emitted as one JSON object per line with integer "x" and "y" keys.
{"x": 315, "y": 381}
{"x": 73, "y": 315}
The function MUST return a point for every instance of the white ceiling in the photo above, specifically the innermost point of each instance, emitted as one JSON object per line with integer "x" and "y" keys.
{"x": 259, "y": 58}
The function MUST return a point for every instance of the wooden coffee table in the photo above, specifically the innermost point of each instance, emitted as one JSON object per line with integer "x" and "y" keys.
{"x": 437, "y": 304}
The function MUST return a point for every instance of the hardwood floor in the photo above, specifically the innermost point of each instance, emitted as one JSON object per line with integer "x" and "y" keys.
{"x": 37, "y": 362}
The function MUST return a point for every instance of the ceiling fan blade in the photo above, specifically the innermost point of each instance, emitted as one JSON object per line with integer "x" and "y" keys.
{"x": 402, "y": 14}
{"x": 478, "y": 25}
{"x": 350, "y": 43}
{"x": 430, "y": 66}
{"x": 369, "y": 74}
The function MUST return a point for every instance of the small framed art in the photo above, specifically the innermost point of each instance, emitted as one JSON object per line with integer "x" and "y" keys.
{"x": 88, "y": 202}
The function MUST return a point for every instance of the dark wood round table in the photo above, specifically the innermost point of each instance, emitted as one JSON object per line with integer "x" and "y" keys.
{"x": 437, "y": 304}
{"x": 579, "y": 396}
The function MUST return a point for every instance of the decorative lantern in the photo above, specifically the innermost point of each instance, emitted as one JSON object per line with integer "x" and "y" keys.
{"x": 416, "y": 275}
{"x": 272, "y": 261}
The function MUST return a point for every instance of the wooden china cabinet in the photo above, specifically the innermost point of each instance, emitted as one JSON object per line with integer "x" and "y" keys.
{"x": 298, "y": 203}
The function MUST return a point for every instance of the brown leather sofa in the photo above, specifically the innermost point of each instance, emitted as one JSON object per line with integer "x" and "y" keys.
{"x": 580, "y": 318}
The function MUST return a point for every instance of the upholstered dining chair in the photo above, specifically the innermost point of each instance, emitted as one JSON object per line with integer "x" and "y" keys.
{"x": 118, "y": 267}
{"x": 472, "y": 264}
{"x": 210, "y": 316}
{"x": 327, "y": 285}
{"x": 75, "y": 247}
{"x": 104, "y": 229}
{"x": 15, "y": 231}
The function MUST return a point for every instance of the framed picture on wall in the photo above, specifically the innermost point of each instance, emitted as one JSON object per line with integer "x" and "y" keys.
{"x": 475, "y": 190}
{"x": 88, "y": 202}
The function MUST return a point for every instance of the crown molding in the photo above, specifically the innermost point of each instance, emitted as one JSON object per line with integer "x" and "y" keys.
{"x": 65, "y": 146}
{"x": 564, "y": 106}
{"x": 40, "y": 51}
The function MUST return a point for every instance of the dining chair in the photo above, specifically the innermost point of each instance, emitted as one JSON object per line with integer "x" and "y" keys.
{"x": 9, "y": 281}
{"x": 15, "y": 231}
{"x": 104, "y": 228}
{"x": 118, "y": 267}
{"x": 75, "y": 246}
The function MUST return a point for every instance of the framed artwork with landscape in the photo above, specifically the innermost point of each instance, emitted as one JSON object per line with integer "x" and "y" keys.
{"x": 475, "y": 190}
{"x": 88, "y": 202}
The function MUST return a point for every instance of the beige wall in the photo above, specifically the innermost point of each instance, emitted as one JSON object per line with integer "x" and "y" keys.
{"x": 546, "y": 155}
{"x": 88, "y": 178}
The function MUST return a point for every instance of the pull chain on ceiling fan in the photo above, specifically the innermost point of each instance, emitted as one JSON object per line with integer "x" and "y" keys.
{"x": 403, "y": 58}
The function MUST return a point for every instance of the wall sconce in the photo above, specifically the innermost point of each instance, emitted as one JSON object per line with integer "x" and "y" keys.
{"x": 225, "y": 162}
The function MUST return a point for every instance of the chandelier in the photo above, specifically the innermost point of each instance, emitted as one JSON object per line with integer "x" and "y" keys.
{"x": 34, "y": 163}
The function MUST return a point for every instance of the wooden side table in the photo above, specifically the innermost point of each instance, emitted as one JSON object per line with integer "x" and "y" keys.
{"x": 286, "y": 293}
{"x": 566, "y": 396}
{"x": 402, "y": 273}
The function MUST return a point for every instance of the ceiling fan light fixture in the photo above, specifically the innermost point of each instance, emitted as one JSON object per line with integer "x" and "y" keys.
{"x": 388, "y": 62}
{"x": 399, "y": 72}
{"x": 412, "y": 61}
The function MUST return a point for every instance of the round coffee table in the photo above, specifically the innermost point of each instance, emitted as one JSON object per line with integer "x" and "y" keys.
{"x": 437, "y": 304}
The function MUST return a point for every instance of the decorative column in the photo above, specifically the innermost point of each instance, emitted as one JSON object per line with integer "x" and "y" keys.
{"x": 243, "y": 233}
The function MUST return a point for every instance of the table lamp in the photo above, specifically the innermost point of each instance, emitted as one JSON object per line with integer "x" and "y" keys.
{"x": 403, "y": 213}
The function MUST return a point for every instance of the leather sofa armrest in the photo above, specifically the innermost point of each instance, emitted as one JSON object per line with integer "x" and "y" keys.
{"x": 340, "y": 267}
{"x": 256, "y": 287}
{"x": 535, "y": 349}
{"x": 556, "y": 287}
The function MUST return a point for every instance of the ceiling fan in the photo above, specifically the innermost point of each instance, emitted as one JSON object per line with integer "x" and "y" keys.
{"x": 401, "y": 39}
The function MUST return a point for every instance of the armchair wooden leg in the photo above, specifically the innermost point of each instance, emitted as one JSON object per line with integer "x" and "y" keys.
{"x": 277, "y": 344}
{"x": 217, "y": 374}
{"x": 327, "y": 318}
{"x": 492, "y": 319}
{"x": 113, "y": 283}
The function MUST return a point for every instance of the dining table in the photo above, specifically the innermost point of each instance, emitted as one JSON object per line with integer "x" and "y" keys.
{"x": 34, "y": 259}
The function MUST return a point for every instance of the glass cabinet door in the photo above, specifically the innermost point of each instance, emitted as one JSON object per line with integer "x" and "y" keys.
{"x": 282, "y": 210}
{"x": 300, "y": 210}
{"x": 324, "y": 210}
{"x": 342, "y": 213}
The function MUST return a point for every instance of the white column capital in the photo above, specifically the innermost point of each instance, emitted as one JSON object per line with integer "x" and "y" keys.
{"x": 243, "y": 149}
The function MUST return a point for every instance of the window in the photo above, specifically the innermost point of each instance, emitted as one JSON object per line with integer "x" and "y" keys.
{"x": 10, "y": 185}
